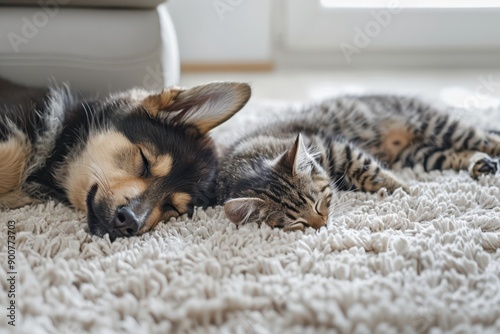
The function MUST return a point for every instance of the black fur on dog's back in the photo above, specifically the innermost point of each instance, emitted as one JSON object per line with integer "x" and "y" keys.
{"x": 17, "y": 104}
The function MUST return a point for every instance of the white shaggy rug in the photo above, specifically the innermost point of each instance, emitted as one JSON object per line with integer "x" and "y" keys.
{"x": 419, "y": 263}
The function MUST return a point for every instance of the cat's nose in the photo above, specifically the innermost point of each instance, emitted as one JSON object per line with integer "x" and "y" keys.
{"x": 317, "y": 221}
{"x": 125, "y": 221}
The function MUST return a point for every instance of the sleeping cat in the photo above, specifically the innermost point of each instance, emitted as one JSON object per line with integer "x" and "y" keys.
{"x": 285, "y": 173}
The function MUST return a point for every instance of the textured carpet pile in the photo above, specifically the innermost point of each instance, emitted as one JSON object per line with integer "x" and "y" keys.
{"x": 428, "y": 261}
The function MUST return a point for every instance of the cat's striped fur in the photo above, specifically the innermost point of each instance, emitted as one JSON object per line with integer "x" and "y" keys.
{"x": 286, "y": 179}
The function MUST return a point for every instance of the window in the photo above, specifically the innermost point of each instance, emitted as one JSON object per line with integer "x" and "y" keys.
{"x": 410, "y": 3}
{"x": 393, "y": 32}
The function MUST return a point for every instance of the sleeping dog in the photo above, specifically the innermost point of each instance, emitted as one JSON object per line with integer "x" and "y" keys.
{"x": 129, "y": 161}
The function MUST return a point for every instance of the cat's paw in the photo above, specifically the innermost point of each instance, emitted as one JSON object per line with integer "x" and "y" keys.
{"x": 484, "y": 166}
{"x": 386, "y": 179}
{"x": 298, "y": 226}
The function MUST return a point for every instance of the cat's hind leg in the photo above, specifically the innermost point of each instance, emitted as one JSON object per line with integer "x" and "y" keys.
{"x": 476, "y": 162}
{"x": 352, "y": 168}
{"x": 472, "y": 139}
{"x": 440, "y": 132}
{"x": 482, "y": 151}
{"x": 442, "y": 142}
{"x": 445, "y": 132}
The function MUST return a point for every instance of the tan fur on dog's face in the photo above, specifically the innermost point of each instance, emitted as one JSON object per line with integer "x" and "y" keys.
{"x": 116, "y": 165}
{"x": 104, "y": 162}
{"x": 153, "y": 164}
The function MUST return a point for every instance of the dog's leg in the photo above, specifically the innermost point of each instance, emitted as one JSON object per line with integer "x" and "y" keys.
{"x": 13, "y": 157}
{"x": 14, "y": 153}
{"x": 16, "y": 199}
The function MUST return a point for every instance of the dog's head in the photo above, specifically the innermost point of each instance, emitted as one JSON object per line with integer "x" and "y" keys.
{"x": 154, "y": 161}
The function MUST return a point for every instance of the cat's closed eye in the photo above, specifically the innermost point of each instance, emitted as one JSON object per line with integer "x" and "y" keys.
{"x": 317, "y": 208}
{"x": 301, "y": 221}
{"x": 299, "y": 224}
{"x": 322, "y": 207}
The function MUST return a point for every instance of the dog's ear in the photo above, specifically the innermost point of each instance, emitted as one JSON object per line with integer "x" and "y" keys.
{"x": 205, "y": 106}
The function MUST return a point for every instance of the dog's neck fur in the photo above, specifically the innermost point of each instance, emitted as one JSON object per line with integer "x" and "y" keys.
{"x": 60, "y": 136}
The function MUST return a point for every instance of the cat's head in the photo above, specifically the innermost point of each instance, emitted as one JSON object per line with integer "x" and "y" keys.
{"x": 291, "y": 192}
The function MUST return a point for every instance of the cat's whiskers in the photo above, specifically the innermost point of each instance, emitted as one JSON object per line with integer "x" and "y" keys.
{"x": 340, "y": 179}
{"x": 314, "y": 155}
{"x": 337, "y": 209}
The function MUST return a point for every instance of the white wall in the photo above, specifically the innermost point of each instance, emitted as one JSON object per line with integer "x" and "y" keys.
{"x": 223, "y": 31}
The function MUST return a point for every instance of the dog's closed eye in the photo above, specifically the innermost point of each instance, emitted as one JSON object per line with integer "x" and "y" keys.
{"x": 145, "y": 165}
{"x": 169, "y": 207}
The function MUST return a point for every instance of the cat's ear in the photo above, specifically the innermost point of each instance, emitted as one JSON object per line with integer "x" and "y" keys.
{"x": 238, "y": 210}
{"x": 205, "y": 106}
{"x": 296, "y": 159}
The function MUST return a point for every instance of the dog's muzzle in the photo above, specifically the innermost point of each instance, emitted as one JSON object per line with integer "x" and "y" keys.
{"x": 126, "y": 221}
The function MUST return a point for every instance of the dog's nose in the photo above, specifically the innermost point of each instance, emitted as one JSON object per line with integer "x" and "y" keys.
{"x": 126, "y": 221}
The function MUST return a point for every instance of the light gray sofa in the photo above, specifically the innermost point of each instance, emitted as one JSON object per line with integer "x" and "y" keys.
{"x": 95, "y": 45}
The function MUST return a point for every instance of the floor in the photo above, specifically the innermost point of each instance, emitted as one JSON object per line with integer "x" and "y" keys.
{"x": 460, "y": 88}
